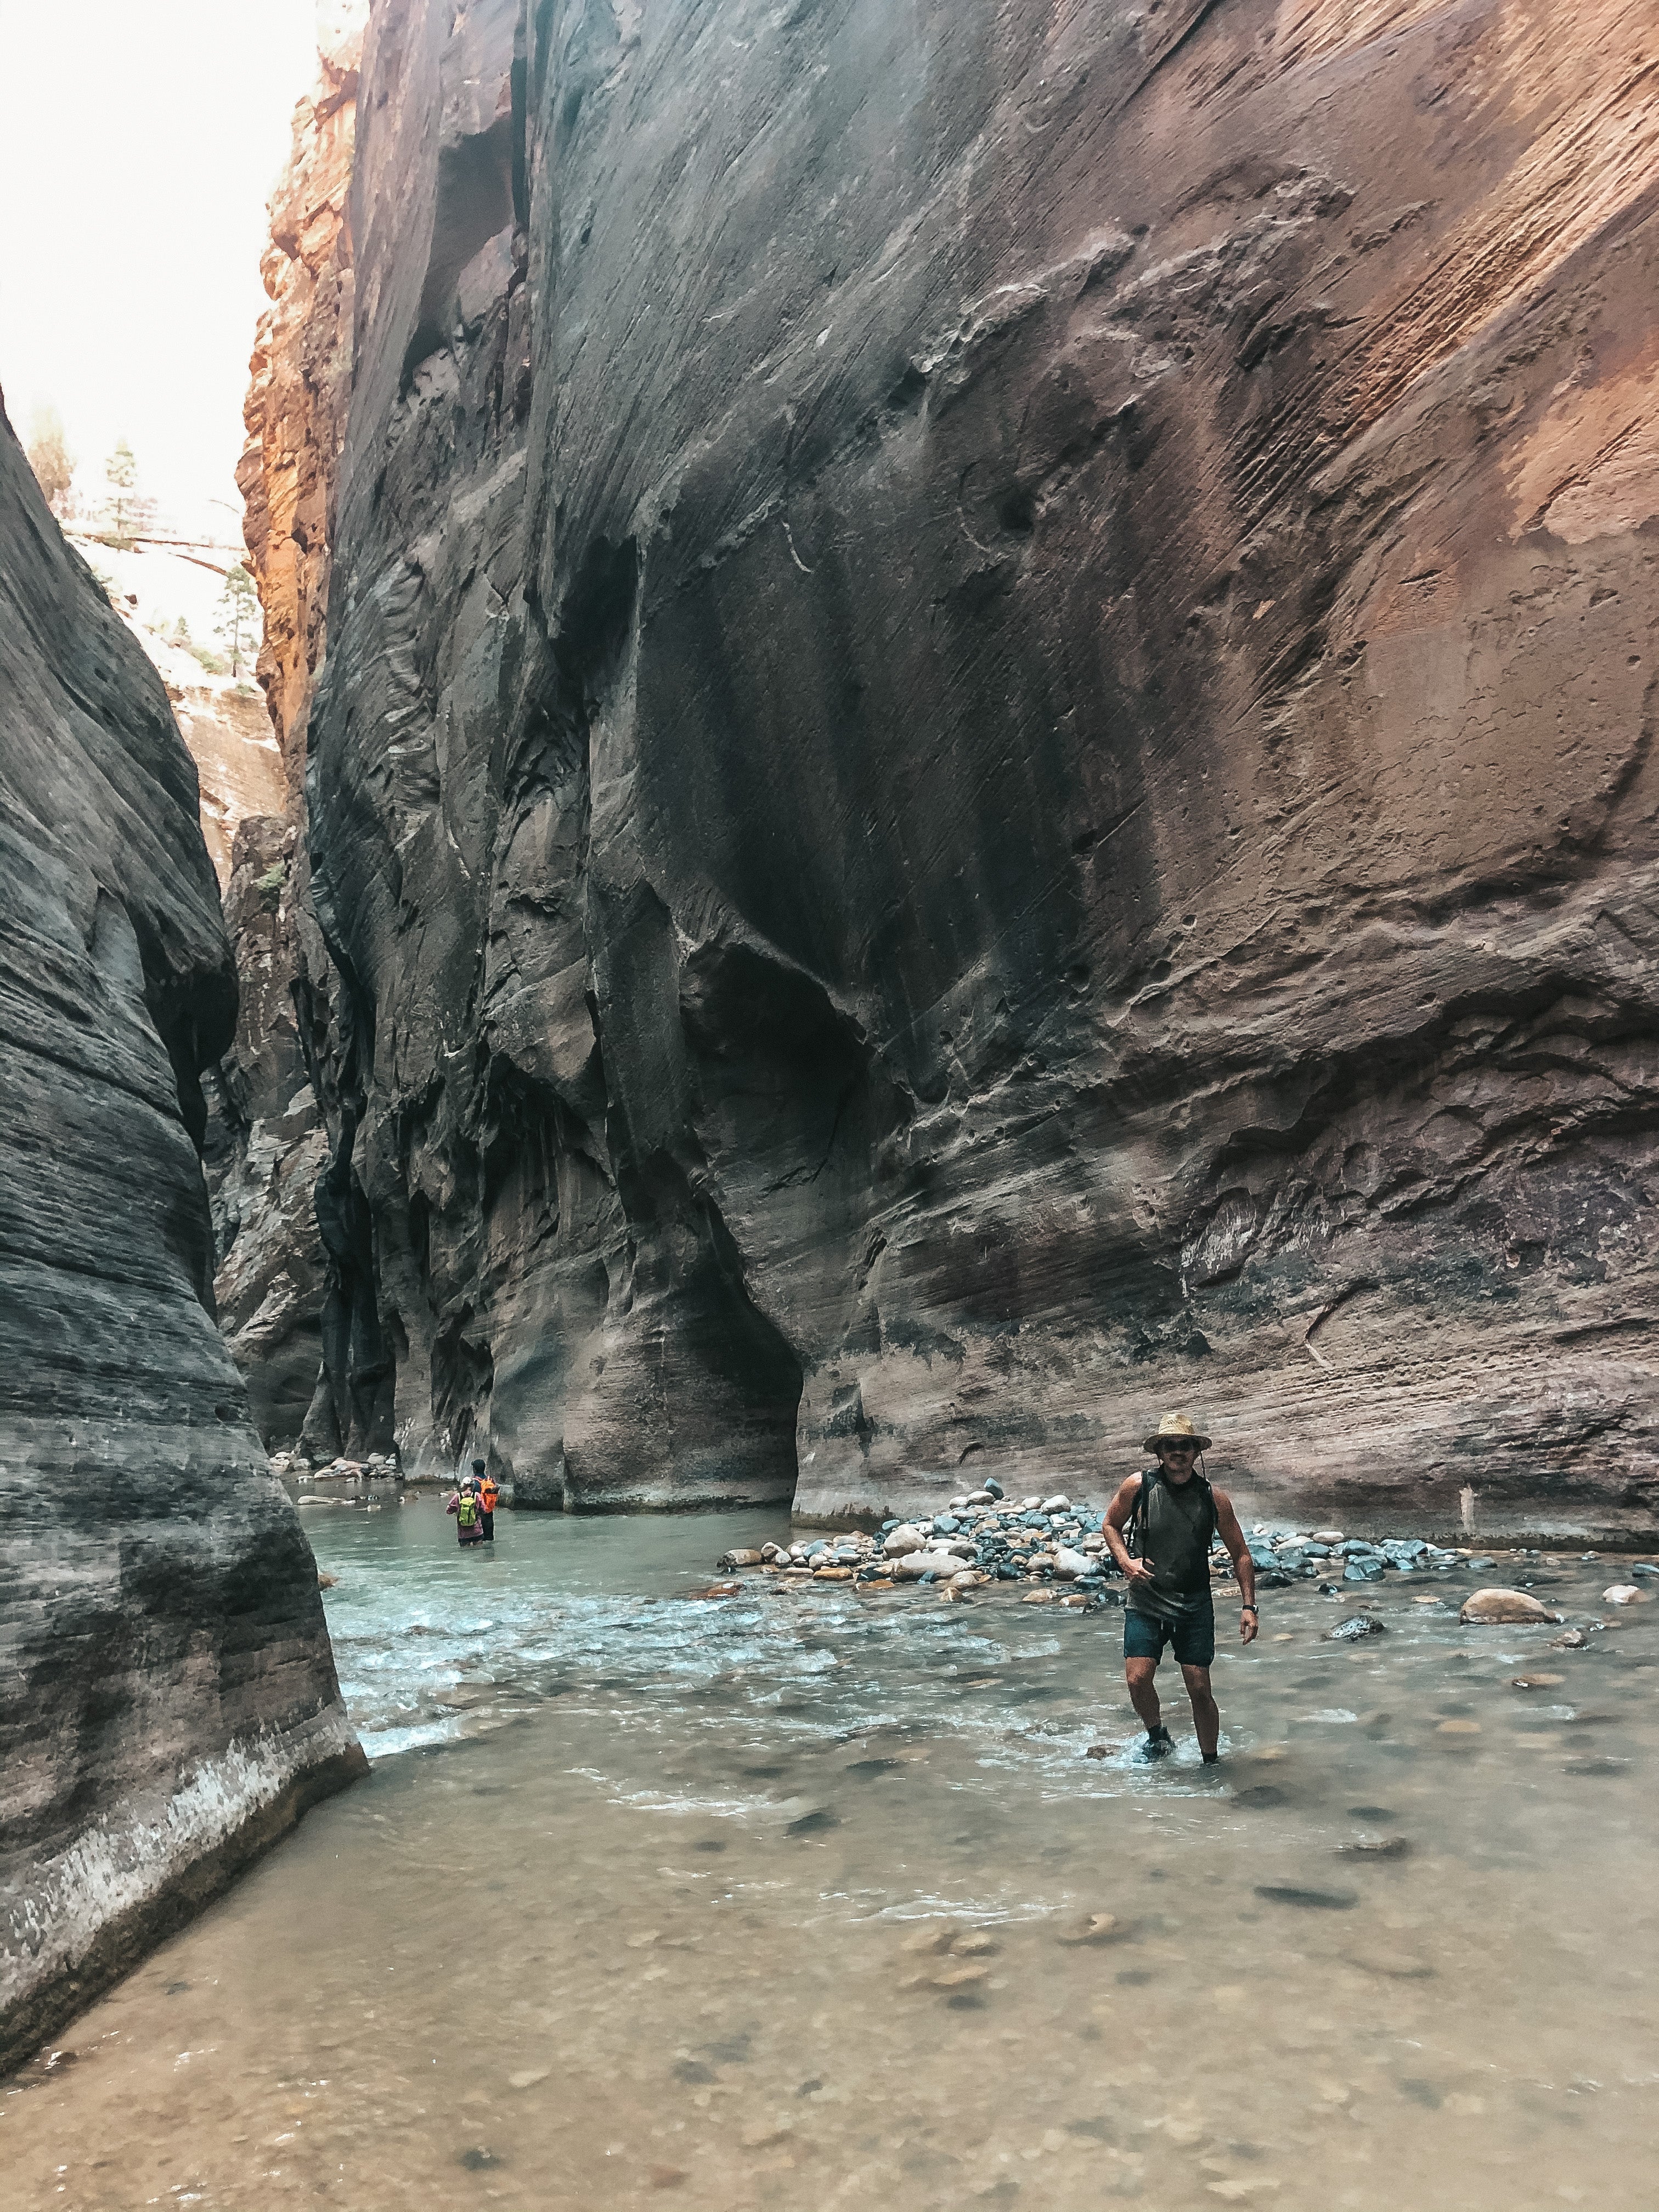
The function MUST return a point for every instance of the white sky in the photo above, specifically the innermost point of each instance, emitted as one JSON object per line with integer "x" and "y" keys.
{"x": 139, "y": 141}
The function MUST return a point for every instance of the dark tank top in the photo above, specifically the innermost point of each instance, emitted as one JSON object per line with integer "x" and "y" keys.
{"x": 1177, "y": 1527}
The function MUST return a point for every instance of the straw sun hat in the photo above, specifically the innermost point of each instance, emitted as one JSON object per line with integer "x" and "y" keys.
{"x": 1175, "y": 1429}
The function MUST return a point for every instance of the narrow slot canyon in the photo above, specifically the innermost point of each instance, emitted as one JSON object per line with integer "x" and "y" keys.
{"x": 930, "y": 730}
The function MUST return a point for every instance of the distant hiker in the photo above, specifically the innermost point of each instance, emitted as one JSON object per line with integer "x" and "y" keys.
{"x": 1159, "y": 1528}
{"x": 489, "y": 1496}
{"x": 463, "y": 1505}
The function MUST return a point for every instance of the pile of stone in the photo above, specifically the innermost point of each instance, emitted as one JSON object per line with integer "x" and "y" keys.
{"x": 1326, "y": 1555}
{"x": 981, "y": 1537}
{"x": 336, "y": 1470}
{"x": 984, "y": 1537}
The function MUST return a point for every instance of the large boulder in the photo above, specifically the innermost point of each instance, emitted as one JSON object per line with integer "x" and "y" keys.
{"x": 898, "y": 1543}
{"x": 167, "y": 1696}
{"x": 983, "y": 763}
{"x": 1511, "y": 1608}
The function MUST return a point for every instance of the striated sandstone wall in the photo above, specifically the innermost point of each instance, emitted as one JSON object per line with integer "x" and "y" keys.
{"x": 289, "y": 1280}
{"x": 985, "y": 757}
{"x": 223, "y": 721}
{"x": 300, "y": 378}
{"x": 167, "y": 1696}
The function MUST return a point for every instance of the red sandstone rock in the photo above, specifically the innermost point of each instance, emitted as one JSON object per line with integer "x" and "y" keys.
{"x": 985, "y": 758}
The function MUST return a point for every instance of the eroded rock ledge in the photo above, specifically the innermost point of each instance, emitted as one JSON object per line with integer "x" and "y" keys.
{"x": 985, "y": 758}
{"x": 168, "y": 1696}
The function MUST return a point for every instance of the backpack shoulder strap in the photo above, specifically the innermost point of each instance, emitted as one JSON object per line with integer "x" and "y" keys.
{"x": 1135, "y": 1522}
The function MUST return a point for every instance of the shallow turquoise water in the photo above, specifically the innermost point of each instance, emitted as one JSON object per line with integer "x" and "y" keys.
{"x": 775, "y": 1901}
{"x": 432, "y": 1642}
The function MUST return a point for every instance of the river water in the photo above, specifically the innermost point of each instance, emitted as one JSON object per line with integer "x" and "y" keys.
{"x": 787, "y": 1900}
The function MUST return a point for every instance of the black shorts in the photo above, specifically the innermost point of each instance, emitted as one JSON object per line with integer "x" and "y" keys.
{"x": 1193, "y": 1636}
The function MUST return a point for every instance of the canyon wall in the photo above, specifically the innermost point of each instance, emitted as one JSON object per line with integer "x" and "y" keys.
{"x": 227, "y": 732}
{"x": 292, "y": 1276}
{"x": 984, "y": 762}
{"x": 224, "y": 723}
{"x": 168, "y": 1696}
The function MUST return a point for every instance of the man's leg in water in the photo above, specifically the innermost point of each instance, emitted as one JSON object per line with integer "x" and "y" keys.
{"x": 1141, "y": 1676}
{"x": 1206, "y": 1714}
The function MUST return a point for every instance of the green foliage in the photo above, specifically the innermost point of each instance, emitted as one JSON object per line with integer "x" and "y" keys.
{"x": 270, "y": 886}
{"x": 50, "y": 457}
{"x": 177, "y": 633}
{"x": 120, "y": 507}
{"x": 238, "y": 622}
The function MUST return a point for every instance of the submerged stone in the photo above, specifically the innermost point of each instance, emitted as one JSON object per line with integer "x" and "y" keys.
{"x": 814, "y": 1823}
{"x": 1317, "y": 1900}
{"x": 1356, "y": 1626}
{"x": 1095, "y": 1927}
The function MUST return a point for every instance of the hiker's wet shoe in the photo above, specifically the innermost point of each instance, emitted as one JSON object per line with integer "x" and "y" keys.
{"x": 1159, "y": 1744}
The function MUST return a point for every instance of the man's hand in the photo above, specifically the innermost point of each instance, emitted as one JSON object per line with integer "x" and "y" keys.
{"x": 1137, "y": 1570}
{"x": 1248, "y": 1625}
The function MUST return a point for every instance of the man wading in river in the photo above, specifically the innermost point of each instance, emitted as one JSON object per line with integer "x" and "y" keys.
{"x": 1172, "y": 1514}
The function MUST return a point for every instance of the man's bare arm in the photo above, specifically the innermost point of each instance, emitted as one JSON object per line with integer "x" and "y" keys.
{"x": 1117, "y": 1514}
{"x": 1238, "y": 1551}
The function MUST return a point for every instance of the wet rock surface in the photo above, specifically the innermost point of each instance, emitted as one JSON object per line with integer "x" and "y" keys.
{"x": 167, "y": 1697}
{"x": 963, "y": 795}
{"x": 1504, "y": 1607}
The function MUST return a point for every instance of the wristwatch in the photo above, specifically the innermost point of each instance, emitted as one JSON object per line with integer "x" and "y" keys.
{"x": 1251, "y": 1609}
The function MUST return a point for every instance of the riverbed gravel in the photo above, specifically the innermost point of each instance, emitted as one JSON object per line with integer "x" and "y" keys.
{"x": 1055, "y": 1546}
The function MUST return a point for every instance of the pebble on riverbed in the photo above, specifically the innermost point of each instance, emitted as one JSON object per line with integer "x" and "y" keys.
{"x": 1095, "y": 1927}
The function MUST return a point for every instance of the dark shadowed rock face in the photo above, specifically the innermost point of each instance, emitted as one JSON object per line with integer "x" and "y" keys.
{"x": 167, "y": 1696}
{"x": 985, "y": 758}
{"x": 268, "y": 1146}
